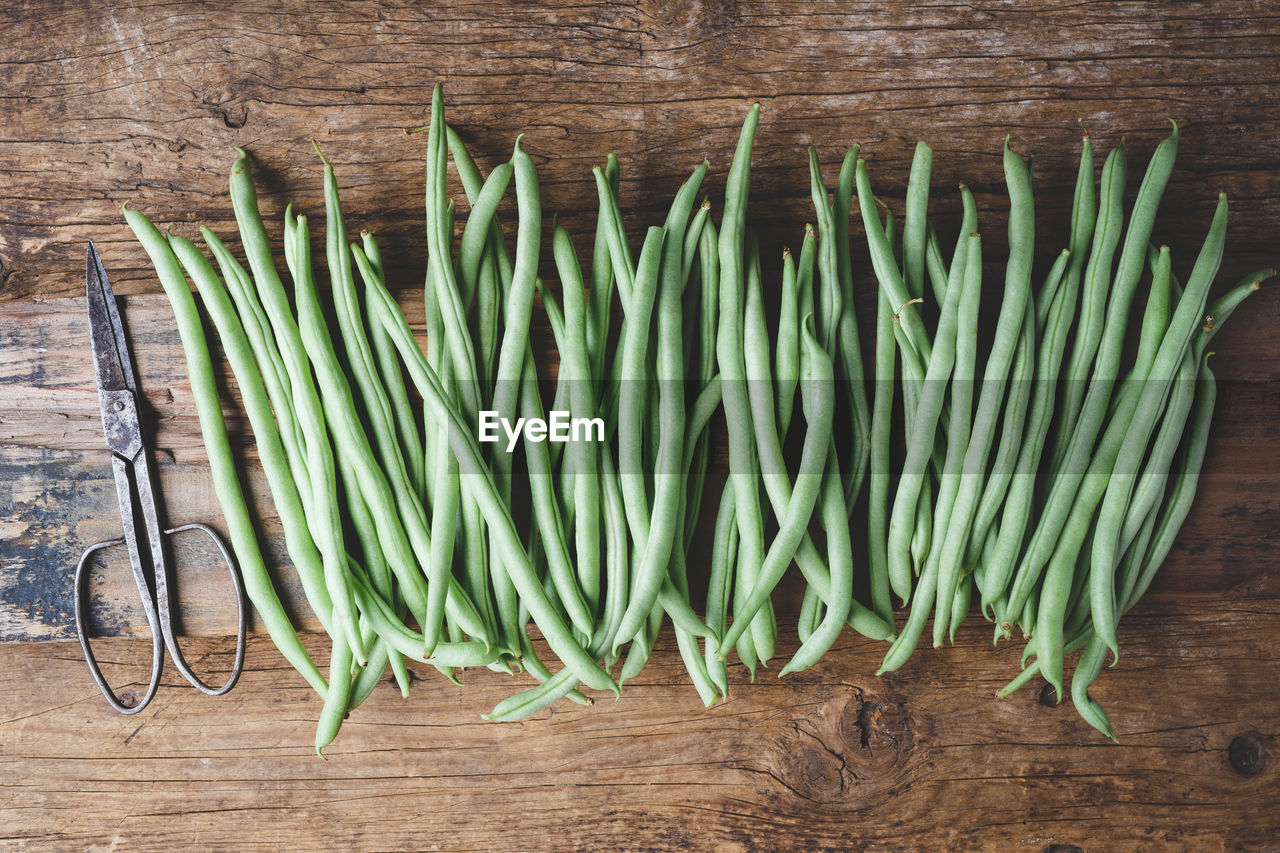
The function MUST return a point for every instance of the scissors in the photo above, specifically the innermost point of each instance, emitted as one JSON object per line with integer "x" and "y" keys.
{"x": 118, "y": 398}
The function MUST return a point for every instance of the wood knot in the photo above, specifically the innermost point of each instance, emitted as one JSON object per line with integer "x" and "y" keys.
{"x": 1247, "y": 755}
{"x": 848, "y": 750}
{"x": 1063, "y": 848}
{"x": 1049, "y": 696}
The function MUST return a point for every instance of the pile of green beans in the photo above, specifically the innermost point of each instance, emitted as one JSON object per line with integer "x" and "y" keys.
{"x": 1050, "y": 488}
{"x": 1055, "y": 533}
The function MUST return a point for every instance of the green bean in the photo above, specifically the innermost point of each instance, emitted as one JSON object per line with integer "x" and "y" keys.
{"x": 222, "y": 465}
{"x": 830, "y": 297}
{"x": 495, "y": 265}
{"x": 367, "y": 678}
{"x": 964, "y": 279}
{"x": 338, "y": 696}
{"x": 270, "y": 366}
{"x": 602, "y": 278}
{"x": 915, "y": 223}
{"x": 1012, "y": 429}
{"x": 886, "y": 268}
{"x": 510, "y": 553}
{"x": 786, "y": 358}
{"x": 936, "y": 266}
{"x": 1155, "y": 391}
{"x": 839, "y": 598}
{"x": 402, "y": 530}
{"x": 805, "y": 268}
{"x": 546, "y": 510}
{"x": 1150, "y": 487}
{"x": 1018, "y": 504}
{"x": 881, "y": 425}
{"x": 913, "y": 373}
{"x": 388, "y": 365}
{"x": 488, "y": 308}
{"x": 1055, "y": 591}
{"x": 663, "y": 558}
{"x": 306, "y": 400}
{"x": 377, "y": 407}
{"x": 1178, "y": 503}
{"x": 617, "y": 562}
{"x": 724, "y": 545}
{"x": 386, "y": 624}
{"x": 1009, "y": 325}
{"x": 444, "y": 525}
{"x": 535, "y": 667}
{"x": 818, "y": 375}
{"x": 641, "y": 647}
{"x": 708, "y": 319}
{"x": 850, "y": 371}
{"x": 440, "y": 272}
{"x": 515, "y": 334}
{"x": 633, "y": 350}
{"x": 379, "y": 572}
{"x": 575, "y": 362}
{"x": 810, "y": 614}
{"x": 1032, "y": 669}
{"x": 1106, "y": 368}
{"x": 730, "y": 357}
{"x": 959, "y": 605}
{"x": 476, "y": 233}
{"x": 1026, "y": 368}
{"x": 1086, "y": 672}
{"x": 1084, "y": 213}
{"x": 624, "y": 269}
{"x": 983, "y": 567}
{"x": 695, "y": 467}
{"x": 920, "y": 441}
{"x": 1136, "y": 548}
{"x": 693, "y": 234}
{"x": 1097, "y": 279}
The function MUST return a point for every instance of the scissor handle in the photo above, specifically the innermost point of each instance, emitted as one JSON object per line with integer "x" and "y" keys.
{"x": 82, "y": 634}
{"x": 166, "y": 617}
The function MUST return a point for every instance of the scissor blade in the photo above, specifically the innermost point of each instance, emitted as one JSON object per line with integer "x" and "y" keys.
{"x": 110, "y": 348}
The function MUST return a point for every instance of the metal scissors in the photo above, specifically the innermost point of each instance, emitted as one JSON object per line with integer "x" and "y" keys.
{"x": 118, "y": 398}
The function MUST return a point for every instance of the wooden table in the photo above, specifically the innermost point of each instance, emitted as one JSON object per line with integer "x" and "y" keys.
{"x": 107, "y": 102}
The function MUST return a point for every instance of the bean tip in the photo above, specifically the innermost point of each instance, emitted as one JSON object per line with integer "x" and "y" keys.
{"x": 316, "y": 145}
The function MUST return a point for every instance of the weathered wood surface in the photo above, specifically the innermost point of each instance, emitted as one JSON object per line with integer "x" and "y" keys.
{"x": 106, "y": 102}
{"x": 835, "y": 759}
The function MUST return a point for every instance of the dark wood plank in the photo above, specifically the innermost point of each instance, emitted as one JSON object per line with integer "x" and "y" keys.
{"x": 109, "y": 102}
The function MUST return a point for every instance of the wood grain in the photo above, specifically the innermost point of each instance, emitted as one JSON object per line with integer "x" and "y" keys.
{"x": 114, "y": 100}
{"x": 834, "y": 759}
